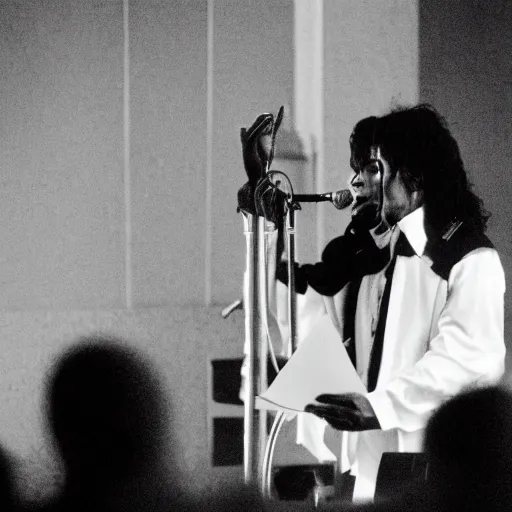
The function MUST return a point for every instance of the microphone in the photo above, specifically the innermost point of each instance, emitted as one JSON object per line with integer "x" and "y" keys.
{"x": 341, "y": 199}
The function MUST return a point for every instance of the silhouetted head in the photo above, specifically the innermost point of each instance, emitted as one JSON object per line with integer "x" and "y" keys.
{"x": 469, "y": 444}
{"x": 107, "y": 412}
{"x": 7, "y": 492}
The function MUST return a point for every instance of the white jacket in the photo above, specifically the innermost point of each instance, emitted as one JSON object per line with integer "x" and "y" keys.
{"x": 444, "y": 333}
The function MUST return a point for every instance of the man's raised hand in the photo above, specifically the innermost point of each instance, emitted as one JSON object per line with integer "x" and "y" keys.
{"x": 258, "y": 145}
{"x": 258, "y": 148}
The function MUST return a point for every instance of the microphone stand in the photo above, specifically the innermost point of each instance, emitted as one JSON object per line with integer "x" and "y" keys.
{"x": 292, "y": 297}
{"x": 255, "y": 345}
{"x": 266, "y": 483}
{"x": 256, "y": 441}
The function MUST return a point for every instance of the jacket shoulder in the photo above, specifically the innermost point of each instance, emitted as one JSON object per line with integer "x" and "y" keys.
{"x": 447, "y": 253}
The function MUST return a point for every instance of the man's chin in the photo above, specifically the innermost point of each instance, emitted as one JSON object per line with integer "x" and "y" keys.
{"x": 366, "y": 217}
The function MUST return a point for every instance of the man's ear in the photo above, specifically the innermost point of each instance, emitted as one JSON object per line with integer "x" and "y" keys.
{"x": 414, "y": 183}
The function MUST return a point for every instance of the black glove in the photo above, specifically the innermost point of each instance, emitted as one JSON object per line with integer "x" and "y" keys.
{"x": 258, "y": 145}
{"x": 258, "y": 153}
{"x": 264, "y": 200}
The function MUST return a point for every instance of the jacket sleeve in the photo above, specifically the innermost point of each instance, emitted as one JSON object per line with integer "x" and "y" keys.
{"x": 468, "y": 351}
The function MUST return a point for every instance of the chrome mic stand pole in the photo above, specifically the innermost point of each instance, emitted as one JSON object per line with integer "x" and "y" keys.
{"x": 253, "y": 228}
{"x": 292, "y": 297}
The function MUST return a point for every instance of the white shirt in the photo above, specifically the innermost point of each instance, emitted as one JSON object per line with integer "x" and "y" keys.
{"x": 442, "y": 336}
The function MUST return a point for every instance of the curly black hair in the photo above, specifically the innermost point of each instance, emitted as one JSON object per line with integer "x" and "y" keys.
{"x": 361, "y": 140}
{"x": 416, "y": 140}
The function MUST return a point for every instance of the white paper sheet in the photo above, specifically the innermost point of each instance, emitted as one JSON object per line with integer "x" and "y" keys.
{"x": 319, "y": 365}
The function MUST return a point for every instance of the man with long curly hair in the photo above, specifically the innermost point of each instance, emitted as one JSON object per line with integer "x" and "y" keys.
{"x": 430, "y": 323}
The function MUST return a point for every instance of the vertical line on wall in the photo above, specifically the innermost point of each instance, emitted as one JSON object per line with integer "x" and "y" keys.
{"x": 318, "y": 88}
{"x": 209, "y": 155}
{"x": 309, "y": 98}
{"x": 126, "y": 174}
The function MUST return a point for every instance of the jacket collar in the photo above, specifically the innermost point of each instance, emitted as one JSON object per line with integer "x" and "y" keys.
{"x": 412, "y": 226}
{"x": 381, "y": 238}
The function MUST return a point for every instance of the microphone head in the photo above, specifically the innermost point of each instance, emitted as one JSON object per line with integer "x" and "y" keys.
{"x": 342, "y": 199}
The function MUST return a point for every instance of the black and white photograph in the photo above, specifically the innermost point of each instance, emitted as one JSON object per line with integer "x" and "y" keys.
{"x": 255, "y": 255}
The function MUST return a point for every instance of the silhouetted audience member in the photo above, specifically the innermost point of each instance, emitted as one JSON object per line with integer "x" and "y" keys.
{"x": 469, "y": 448}
{"x": 109, "y": 418}
{"x": 469, "y": 444}
{"x": 8, "y": 497}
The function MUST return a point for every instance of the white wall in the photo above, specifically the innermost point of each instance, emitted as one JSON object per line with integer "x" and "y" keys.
{"x": 168, "y": 150}
{"x": 61, "y": 155}
{"x": 99, "y": 169}
{"x": 253, "y": 73}
{"x": 370, "y": 62}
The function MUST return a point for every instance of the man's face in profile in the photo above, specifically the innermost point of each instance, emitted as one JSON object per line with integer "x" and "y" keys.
{"x": 398, "y": 197}
{"x": 365, "y": 186}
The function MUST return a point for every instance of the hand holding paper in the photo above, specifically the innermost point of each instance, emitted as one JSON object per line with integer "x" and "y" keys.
{"x": 348, "y": 411}
{"x": 320, "y": 366}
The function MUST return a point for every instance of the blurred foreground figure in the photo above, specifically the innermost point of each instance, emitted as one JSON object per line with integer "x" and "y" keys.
{"x": 467, "y": 442}
{"x": 470, "y": 452}
{"x": 8, "y": 498}
{"x": 109, "y": 418}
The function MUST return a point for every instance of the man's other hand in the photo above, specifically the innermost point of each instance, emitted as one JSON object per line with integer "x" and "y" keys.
{"x": 349, "y": 411}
